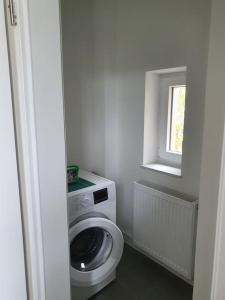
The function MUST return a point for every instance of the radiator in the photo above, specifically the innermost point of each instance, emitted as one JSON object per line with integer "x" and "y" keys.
{"x": 165, "y": 228}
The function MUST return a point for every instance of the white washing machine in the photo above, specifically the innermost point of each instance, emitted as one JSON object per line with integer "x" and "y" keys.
{"x": 96, "y": 243}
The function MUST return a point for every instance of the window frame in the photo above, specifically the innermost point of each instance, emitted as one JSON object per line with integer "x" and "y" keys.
{"x": 166, "y": 81}
{"x": 170, "y": 118}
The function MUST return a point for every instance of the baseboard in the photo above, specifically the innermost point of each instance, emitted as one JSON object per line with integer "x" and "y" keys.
{"x": 128, "y": 239}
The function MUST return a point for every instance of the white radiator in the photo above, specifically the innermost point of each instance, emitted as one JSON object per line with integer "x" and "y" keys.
{"x": 165, "y": 228}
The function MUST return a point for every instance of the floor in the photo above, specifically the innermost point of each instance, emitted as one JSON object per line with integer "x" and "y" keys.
{"x": 139, "y": 278}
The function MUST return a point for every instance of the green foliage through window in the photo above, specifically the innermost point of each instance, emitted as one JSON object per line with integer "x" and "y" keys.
{"x": 176, "y": 118}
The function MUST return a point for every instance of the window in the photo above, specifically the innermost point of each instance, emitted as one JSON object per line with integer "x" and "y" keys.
{"x": 165, "y": 94}
{"x": 175, "y": 126}
{"x": 171, "y": 101}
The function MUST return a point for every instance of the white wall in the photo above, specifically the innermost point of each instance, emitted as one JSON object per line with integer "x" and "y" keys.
{"x": 211, "y": 156}
{"x": 48, "y": 101}
{"x": 128, "y": 38}
{"x": 77, "y": 20}
{"x": 87, "y": 35}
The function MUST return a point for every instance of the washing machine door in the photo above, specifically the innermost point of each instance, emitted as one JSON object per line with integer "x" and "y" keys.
{"x": 96, "y": 246}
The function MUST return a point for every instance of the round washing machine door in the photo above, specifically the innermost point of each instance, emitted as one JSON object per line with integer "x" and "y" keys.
{"x": 96, "y": 247}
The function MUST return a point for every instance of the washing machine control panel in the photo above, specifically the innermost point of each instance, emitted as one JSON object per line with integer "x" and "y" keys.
{"x": 100, "y": 195}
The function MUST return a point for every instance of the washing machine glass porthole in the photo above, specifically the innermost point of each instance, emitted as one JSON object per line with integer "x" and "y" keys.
{"x": 90, "y": 249}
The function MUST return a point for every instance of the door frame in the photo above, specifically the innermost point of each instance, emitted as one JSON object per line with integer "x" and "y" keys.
{"x": 24, "y": 113}
{"x": 210, "y": 230}
{"x": 12, "y": 274}
{"x": 218, "y": 288}
{"x": 43, "y": 273}
{"x": 48, "y": 106}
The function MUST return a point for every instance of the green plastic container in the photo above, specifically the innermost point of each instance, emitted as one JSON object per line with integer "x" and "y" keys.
{"x": 73, "y": 173}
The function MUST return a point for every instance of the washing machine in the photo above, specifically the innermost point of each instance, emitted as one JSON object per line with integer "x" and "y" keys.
{"x": 96, "y": 243}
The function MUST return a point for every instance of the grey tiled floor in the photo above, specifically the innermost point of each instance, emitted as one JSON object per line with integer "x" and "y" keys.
{"x": 139, "y": 278}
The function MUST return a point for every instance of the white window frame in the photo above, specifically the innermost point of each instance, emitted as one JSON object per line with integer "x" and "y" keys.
{"x": 166, "y": 82}
{"x": 170, "y": 117}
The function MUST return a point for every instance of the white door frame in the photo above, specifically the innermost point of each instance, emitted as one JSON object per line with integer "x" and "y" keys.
{"x": 12, "y": 271}
{"x": 210, "y": 234}
{"x": 47, "y": 269}
{"x": 218, "y": 287}
{"x": 21, "y": 72}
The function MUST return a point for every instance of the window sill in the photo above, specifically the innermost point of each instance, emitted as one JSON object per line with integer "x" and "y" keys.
{"x": 163, "y": 169}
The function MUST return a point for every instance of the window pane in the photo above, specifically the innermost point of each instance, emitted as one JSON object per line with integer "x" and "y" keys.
{"x": 177, "y": 118}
